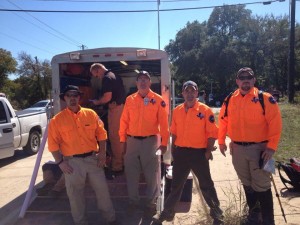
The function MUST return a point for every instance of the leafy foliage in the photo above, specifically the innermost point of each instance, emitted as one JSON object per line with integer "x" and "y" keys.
{"x": 210, "y": 53}
{"x": 7, "y": 65}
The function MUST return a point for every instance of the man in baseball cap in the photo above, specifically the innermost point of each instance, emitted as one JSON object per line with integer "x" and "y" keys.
{"x": 246, "y": 70}
{"x": 70, "y": 90}
{"x": 190, "y": 84}
{"x": 143, "y": 73}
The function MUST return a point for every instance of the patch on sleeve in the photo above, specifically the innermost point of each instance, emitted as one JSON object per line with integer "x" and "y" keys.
{"x": 272, "y": 100}
{"x": 163, "y": 104}
{"x": 211, "y": 118}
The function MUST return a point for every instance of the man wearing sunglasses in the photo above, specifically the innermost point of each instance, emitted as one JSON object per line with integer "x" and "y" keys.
{"x": 254, "y": 129}
{"x": 77, "y": 141}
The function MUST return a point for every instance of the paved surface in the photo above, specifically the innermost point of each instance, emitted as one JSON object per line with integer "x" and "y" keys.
{"x": 15, "y": 174}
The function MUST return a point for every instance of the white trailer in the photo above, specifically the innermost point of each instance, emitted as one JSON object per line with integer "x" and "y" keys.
{"x": 73, "y": 68}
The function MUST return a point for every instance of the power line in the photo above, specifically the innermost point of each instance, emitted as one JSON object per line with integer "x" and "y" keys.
{"x": 68, "y": 39}
{"x": 125, "y": 1}
{"x": 26, "y": 43}
{"x": 132, "y": 11}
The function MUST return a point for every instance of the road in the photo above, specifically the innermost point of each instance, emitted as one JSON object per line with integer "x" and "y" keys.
{"x": 15, "y": 176}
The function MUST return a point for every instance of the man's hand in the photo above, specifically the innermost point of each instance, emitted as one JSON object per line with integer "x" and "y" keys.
{"x": 162, "y": 148}
{"x": 267, "y": 154}
{"x": 65, "y": 167}
{"x": 101, "y": 159}
{"x": 208, "y": 155}
{"x": 223, "y": 149}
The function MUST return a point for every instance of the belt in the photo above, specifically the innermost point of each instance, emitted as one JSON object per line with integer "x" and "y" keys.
{"x": 83, "y": 155}
{"x": 248, "y": 143}
{"x": 140, "y": 137}
{"x": 189, "y": 148}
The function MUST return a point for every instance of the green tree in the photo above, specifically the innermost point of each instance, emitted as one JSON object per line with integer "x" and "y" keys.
{"x": 34, "y": 80}
{"x": 211, "y": 52}
{"x": 7, "y": 66}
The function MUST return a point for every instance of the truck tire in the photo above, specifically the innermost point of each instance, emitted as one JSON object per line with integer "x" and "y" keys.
{"x": 33, "y": 144}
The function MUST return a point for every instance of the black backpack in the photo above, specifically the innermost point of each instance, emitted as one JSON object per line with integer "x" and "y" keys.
{"x": 292, "y": 174}
{"x": 260, "y": 98}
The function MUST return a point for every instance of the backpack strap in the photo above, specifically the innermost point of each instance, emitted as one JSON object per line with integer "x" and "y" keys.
{"x": 226, "y": 102}
{"x": 261, "y": 100}
{"x": 284, "y": 181}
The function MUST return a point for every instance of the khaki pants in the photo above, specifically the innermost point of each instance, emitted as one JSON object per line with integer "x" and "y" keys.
{"x": 86, "y": 168}
{"x": 140, "y": 157}
{"x": 114, "y": 115}
{"x": 245, "y": 160}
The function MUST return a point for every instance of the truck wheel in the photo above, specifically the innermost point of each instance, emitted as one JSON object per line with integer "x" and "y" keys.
{"x": 33, "y": 144}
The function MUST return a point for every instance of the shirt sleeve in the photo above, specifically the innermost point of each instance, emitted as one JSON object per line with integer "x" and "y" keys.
{"x": 173, "y": 128}
{"x": 124, "y": 123}
{"x": 163, "y": 124}
{"x": 211, "y": 126}
{"x": 273, "y": 117}
{"x": 54, "y": 139}
{"x": 223, "y": 121}
{"x": 101, "y": 133}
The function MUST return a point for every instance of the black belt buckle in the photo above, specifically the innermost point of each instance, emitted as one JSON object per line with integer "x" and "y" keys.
{"x": 83, "y": 155}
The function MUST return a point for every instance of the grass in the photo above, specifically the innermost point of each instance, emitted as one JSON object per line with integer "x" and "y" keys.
{"x": 289, "y": 145}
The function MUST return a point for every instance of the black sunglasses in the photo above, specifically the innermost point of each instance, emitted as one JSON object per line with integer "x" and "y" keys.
{"x": 249, "y": 77}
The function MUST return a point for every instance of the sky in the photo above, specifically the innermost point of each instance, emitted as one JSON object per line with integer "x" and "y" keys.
{"x": 44, "y": 34}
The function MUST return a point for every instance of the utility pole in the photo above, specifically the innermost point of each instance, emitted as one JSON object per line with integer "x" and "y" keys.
{"x": 291, "y": 68}
{"x": 82, "y": 46}
{"x": 158, "y": 23}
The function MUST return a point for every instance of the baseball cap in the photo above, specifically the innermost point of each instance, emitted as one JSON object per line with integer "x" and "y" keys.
{"x": 69, "y": 88}
{"x": 245, "y": 70}
{"x": 143, "y": 73}
{"x": 190, "y": 84}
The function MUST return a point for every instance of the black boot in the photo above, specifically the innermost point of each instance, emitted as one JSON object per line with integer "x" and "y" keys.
{"x": 254, "y": 213}
{"x": 267, "y": 209}
{"x": 211, "y": 198}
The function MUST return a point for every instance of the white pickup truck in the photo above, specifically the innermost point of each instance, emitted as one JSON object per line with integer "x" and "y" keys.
{"x": 20, "y": 129}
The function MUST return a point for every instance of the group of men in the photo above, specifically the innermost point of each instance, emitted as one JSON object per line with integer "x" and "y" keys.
{"x": 139, "y": 128}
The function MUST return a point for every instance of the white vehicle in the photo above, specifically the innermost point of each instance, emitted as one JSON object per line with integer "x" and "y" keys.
{"x": 42, "y": 106}
{"x": 73, "y": 68}
{"x": 20, "y": 129}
